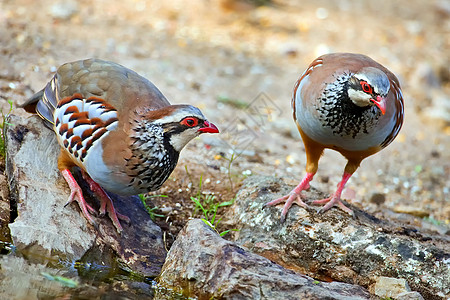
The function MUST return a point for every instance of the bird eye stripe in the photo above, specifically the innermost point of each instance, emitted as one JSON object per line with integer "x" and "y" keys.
{"x": 190, "y": 121}
{"x": 366, "y": 87}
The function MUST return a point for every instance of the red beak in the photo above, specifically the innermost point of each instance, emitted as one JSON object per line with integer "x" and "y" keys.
{"x": 380, "y": 103}
{"x": 209, "y": 128}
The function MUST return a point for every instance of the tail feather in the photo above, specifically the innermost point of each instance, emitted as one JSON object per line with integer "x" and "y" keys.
{"x": 43, "y": 103}
{"x": 30, "y": 104}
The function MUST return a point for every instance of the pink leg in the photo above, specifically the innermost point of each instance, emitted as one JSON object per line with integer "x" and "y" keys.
{"x": 336, "y": 197}
{"x": 293, "y": 196}
{"x": 106, "y": 204}
{"x": 77, "y": 195}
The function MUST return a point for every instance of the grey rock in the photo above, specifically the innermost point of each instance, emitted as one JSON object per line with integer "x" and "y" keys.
{"x": 40, "y": 192}
{"x": 202, "y": 264}
{"x": 64, "y": 10}
{"x": 335, "y": 246}
{"x": 44, "y": 225}
{"x": 409, "y": 296}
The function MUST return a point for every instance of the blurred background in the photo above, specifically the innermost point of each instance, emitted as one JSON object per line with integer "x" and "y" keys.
{"x": 238, "y": 61}
{"x": 221, "y": 55}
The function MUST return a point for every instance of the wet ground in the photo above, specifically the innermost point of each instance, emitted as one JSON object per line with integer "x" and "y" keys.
{"x": 238, "y": 63}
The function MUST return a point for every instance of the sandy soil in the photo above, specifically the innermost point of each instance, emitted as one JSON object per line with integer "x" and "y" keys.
{"x": 238, "y": 63}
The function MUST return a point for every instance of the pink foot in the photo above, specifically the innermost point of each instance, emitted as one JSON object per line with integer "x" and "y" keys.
{"x": 106, "y": 204}
{"x": 77, "y": 195}
{"x": 335, "y": 199}
{"x": 292, "y": 197}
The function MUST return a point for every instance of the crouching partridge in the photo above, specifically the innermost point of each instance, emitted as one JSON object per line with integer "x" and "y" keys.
{"x": 345, "y": 102}
{"x": 117, "y": 127}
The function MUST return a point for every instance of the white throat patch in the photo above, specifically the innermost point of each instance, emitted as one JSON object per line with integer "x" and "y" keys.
{"x": 359, "y": 98}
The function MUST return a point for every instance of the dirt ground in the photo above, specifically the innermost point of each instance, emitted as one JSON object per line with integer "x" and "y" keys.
{"x": 238, "y": 63}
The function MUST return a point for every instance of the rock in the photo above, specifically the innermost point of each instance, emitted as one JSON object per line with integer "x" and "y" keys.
{"x": 4, "y": 210}
{"x": 377, "y": 198}
{"x": 39, "y": 193}
{"x": 44, "y": 225}
{"x": 64, "y": 10}
{"x": 409, "y": 296}
{"x": 411, "y": 210}
{"x": 334, "y": 246}
{"x": 386, "y": 287}
{"x": 202, "y": 264}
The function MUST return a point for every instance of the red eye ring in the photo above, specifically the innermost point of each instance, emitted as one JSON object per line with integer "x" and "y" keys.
{"x": 190, "y": 122}
{"x": 366, "y": 87}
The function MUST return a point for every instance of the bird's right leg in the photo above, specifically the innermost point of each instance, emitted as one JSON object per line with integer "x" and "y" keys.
{"x": 293, "y": 196}
{"x": 313, "y": 152}
{"x": 77, "y": 195}
{"x": 106, "y": 204}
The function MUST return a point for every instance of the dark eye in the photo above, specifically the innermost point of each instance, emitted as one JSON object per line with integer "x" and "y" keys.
{"x": 190, "y": 122}
{"x": 366, "y": 87}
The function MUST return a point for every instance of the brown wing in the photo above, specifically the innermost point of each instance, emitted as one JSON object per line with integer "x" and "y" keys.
{"x": 317, "y": 62}
{"x": 122, "y": 88}
{"x": 399, "y": 109}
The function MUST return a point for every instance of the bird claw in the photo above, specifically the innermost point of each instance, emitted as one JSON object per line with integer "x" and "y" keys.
{"x": 77, "y": 196}
{"x": 289, "y": 199}
{"x": 276, "y": 201}
{"x": 124, "y": 218}
{"x": 106, "y": 204}
{"x": 332, "y": 201}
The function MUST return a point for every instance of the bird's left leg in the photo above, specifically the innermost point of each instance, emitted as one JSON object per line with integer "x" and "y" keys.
{"x": 106, "y": 204}
{"x": 313, "y": 152}
{"x": 335, "y": 198}
{"x": 293, "y": 197}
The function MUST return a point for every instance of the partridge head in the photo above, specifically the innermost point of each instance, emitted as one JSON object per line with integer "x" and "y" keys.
{"x": 345, "y": 102}
{"x": 117, "y": 127}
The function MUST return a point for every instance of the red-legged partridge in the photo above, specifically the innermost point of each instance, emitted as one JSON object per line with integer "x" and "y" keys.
{"x": 117, "y": 127}
{"x": 345, "y": 102}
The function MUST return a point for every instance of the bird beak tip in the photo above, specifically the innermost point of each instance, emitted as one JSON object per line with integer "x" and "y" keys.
{"x": 209, "y": 128}
{"x": 380, "y": 102}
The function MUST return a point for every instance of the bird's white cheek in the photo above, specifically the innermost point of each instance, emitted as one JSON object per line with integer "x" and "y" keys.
{"x": 359, "y": 97}
{"x": 178, "y": 141}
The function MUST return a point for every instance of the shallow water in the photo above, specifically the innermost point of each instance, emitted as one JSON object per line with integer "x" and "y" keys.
{"x": 30, "y": 275}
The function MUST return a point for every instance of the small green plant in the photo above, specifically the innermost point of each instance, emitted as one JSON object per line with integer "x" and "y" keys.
{"x": 434, "y": 221}
{"x": 151, "y": 210}
{"x": 236, "y": 103}
{"x": 3, "y": 125}
{"x": 208, "y": 204}
{"x": 209, "y": 210}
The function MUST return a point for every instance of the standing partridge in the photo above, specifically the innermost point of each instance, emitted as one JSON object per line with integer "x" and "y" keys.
{"x": 117, "y": 127}
{"x": 345, "y": 102}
